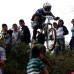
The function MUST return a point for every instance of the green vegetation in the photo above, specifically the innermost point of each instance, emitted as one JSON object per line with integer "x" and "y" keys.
{"x": 62, "y": 64}
{"x": 18, "y": 57}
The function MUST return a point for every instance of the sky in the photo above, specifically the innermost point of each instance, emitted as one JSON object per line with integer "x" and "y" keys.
{"x": 11, "y": 11}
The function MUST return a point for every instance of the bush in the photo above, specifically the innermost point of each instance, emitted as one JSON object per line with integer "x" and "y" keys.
{"x": 62, "y": 64}
{"x": 17, "y": 59}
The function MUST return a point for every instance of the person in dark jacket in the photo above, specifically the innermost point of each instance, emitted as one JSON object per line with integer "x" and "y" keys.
{"x": 6, "y": 35}
{"x": 25, "y": 32}
{"x": 6, "y": 39}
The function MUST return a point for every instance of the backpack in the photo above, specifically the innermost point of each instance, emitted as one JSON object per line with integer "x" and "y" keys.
{"x": 65, "y": 30}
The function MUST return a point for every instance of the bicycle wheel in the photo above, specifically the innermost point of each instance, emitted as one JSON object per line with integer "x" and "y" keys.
{"x": 51, "y": 39}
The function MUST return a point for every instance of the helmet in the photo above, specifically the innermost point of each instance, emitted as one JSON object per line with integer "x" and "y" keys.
{"x": 47, "y": 7}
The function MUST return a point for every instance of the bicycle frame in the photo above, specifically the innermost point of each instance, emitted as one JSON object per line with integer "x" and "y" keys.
{"x": 48, "y": 18}
{"x": 46, "y": 28}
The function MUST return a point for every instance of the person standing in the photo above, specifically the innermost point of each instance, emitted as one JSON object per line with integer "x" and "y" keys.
{"x": 35, "y": 65}
{"x": 2, "y": 60}
{"x": 7, "y": 37}
{"x": 25, "y": 32}
{"x": 72, "y": 38}
{"x": 61, "y": 32}
{"x": 15, "y": 35}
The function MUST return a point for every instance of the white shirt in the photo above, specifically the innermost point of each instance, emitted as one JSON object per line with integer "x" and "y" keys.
{"x": 60, "y": 32}
{"x": 15, "y": 37}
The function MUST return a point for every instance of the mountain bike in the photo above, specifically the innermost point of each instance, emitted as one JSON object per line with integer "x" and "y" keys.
{"x": 49, "y": 31}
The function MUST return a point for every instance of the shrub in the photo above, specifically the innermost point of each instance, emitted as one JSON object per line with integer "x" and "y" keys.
{"x": 17, "y": 59}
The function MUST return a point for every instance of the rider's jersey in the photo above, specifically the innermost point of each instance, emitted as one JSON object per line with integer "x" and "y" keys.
{"x": 40, "y": 13}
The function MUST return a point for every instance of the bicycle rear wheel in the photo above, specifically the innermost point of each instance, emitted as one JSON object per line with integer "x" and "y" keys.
{"x": 51, "y": 39}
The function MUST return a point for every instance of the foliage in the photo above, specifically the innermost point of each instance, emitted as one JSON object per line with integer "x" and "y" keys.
{"x": 62, "y": 64}
{"x": 18, "y": 57}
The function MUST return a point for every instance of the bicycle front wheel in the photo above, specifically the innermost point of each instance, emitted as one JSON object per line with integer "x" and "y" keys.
{"x": 51, "y": 39}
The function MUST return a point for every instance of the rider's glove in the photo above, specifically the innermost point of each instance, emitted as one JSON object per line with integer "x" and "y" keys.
{"x": 56, "y": 18}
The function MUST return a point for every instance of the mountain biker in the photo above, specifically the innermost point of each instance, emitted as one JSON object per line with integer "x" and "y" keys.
{"x": 39, "y": 19}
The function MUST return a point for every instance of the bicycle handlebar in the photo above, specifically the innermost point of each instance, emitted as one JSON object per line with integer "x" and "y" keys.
{"x": 51, "y": 17}
{"x": 48, "y": 17}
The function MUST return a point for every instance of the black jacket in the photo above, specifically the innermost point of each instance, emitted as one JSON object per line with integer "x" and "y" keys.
{"x": 65, "y": 30}
{"x": 25, "y": 34}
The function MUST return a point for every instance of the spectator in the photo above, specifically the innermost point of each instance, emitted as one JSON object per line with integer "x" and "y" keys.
{"x": 61, "y": 32}
{"x": 41, "y": 41}
{"x": 25, "y": 32}
{"x": 15, "y": 34}
{"x": 6, "y": 35}
{"x": 72, "y": 38}
{"x": 55, "y": 25}
{"x": 2, "y": 60}
{"x": 35, "y": 65}
{"x": 42, "y": 48}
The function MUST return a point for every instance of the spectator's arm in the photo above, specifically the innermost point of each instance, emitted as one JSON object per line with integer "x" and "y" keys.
{"x": 2, "y": 62}
{"x": 65, "y": 31}
{"x": 42, "y": 68}
{"x": 44, "y": 71}
{"x": 45, "y": 60}
{"x": 2, "y": 65}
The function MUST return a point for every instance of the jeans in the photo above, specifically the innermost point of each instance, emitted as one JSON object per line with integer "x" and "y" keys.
{"x": 61, "y": 42}
{"x": 71, "y": 43}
